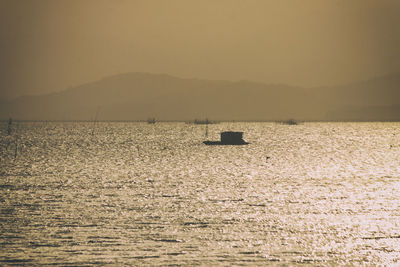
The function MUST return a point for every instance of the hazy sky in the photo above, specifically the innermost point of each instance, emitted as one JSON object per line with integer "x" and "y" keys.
{"x": 49, "y": 45}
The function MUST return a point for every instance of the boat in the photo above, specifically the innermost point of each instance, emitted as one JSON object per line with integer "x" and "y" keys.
{"x": 228, "y": 138}
{"x": 289, "y": 122}
{"x": 151, "y": 120}
{"x": 206, "y": 121}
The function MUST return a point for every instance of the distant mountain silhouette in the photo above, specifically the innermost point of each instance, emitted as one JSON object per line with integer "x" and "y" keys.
{"x": 139, "y": 96}
{"x": 376, "y": 99}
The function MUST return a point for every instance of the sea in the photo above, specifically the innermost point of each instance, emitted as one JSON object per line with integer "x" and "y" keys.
{"x": 140, "y": 194}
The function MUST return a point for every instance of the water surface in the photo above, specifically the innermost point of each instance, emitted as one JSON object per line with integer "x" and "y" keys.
{"x": 79, "y": 193}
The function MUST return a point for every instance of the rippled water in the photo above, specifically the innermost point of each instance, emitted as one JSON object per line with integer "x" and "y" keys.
{"x": 142, "y": 194}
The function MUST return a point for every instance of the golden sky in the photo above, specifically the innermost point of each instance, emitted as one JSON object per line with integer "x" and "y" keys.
{"x": 49, "y": 45}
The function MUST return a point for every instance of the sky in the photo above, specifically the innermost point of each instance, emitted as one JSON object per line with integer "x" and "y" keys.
{"x": 51, "y": 45}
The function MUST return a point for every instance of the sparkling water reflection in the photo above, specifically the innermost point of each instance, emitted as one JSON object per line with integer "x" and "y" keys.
{"x": 138, "y": 193}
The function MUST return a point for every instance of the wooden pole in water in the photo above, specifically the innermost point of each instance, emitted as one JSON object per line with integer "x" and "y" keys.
{"x": 95, "y": 120}
{"x": 16, "y": 147}
{"x": 9, "y": 126}
{"x": 206, "y": 127}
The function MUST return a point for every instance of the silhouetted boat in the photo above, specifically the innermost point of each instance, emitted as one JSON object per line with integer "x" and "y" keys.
{"x": 206, "y": 121}
{"x": 228, "y": 138}
{"x": 151, "y": 120}
{"x": 289, "y": 122}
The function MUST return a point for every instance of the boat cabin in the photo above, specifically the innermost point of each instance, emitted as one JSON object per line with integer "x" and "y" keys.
{"x": 229, "y": 138}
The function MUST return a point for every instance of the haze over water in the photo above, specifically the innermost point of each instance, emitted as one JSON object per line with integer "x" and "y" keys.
{"x": 81, "y": 193}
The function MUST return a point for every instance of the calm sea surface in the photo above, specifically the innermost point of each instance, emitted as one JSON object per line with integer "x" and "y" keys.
{"x": 79, "y": 193}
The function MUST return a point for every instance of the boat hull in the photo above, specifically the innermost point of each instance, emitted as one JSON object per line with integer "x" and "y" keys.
{"x": 219, "y": 143}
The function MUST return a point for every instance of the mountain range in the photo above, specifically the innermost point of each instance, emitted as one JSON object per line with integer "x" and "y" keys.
{"x": 139, "y": 96}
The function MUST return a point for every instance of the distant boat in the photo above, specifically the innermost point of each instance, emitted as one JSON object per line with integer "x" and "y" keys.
{"x": 151, "y": 120}
{"x": 206, "y": 121}
{"x": 289, "y": 122}
{"x": 228, "y": 138}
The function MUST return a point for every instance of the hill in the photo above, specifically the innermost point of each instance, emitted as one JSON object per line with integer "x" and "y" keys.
{"x": 138, "y": 96}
